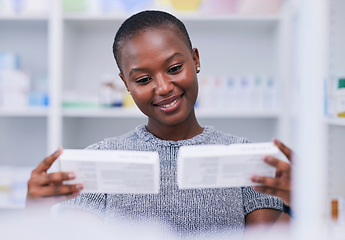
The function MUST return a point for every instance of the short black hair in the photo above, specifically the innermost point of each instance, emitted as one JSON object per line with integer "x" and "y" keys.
{"x": 145, "y": 20}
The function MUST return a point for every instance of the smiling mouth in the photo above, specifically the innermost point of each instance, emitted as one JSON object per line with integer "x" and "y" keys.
{"x": 171, "y": 104}
{"x": 166, "y": 104}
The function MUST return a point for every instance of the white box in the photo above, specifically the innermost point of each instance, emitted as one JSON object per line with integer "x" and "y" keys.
{"x": 112, "y": 171}
{"x": 217, "y": 166}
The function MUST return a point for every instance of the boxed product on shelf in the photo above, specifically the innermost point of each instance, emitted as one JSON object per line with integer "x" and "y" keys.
{"x": 334, "y": 99}
{"x": 38, "y": 96}
{"x": 254, "y": 7}
{"x": 340, "y": 98}
{"x": 110, "y": 92}
{"x": 9, "y": 61}
{"x": 134, "y": 5}
{"x": 106, "y": 6}
{"x": 182, "y": 5}
{"x": 238, "y": 93}
{"x": 34, "y": 6}
{"x": 75, "y": 5}
{"x": 13, "y": 186}
{"x": 219, "y": 6}
{"x": 78, "y": 99}
{"x": 14, "y": 88}
{"x": 24, "y": 7}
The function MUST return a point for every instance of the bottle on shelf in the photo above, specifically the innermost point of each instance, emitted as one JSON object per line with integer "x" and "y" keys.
{"x": 340, "y": 98}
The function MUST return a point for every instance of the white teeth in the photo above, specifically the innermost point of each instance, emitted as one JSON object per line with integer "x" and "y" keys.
{"x": 169, "y": 105}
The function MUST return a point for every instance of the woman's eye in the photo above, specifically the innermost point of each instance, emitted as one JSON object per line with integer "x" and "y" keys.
{"x": 143, "y": 80}
{"x": 175, "y": 69}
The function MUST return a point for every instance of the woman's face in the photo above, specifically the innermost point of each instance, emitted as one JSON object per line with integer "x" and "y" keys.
{"x": 159, "y": 71}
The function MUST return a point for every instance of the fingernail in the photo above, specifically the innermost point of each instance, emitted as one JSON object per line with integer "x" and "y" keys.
{"x": 255, "y": 179}
{"x": 71, "y": 175}
{"x": 276, "y": 141}
{"x": 268, "y": 159}
{"x": 58, "y": 150}
{"x": 80, "y": 186}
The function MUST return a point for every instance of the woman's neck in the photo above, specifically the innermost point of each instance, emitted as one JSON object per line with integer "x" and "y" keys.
{"x": 185, "y": 130}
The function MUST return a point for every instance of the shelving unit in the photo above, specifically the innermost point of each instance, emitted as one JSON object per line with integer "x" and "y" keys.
{"x": 336, "y": 126}
{"x": 23, "y": 137}
{"x": 75, "y": 50}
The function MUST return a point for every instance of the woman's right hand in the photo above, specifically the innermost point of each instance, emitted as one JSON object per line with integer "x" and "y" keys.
{"x": 46, "y": 189}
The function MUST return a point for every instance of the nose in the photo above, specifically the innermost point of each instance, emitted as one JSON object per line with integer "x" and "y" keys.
{"x": 163, "y": 85}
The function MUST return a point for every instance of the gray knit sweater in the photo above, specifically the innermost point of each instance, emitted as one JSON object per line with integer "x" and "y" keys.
{"x": 184, "y": 211}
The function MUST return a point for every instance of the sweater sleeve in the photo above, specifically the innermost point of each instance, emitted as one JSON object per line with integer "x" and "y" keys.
{"x": 253, "y": 200}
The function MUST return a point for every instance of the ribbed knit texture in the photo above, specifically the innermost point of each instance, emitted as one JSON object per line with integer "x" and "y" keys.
{"x": 184, "y": 211}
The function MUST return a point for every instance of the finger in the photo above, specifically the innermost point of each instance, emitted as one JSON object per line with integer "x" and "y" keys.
{"x": 55, "y": 190}
{"x": 47, "y": 162}
{"x": 284, "y": 195}
{"x": 287, "y": 151}
{"x": 55, "y": 178}
{"x": 275, "y": 183}
{"x": 278, "y": 164}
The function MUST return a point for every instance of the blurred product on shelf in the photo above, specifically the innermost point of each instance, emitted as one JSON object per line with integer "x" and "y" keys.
{"x": 219, "y": 6}
{"x": 183, "y": 5}
{"x": 257, "y": 7}
{"x": 250, "y": 7}
{"x": 135, "y": 5}
{"x": 14, "y": 89}
{"x": 13, "y": 186}
{"x": 17, "y": 88}
{"x": 79, "y": 99}
{"x": 128, "y": 101}
{"x": 8, "y": 7}
{"x": 38, "y": 95}
{"x": 340, "y": 98}
{"x": 106, "y": 6}
{"x": 110, "y": 92}
{"x": 238, "y": 93}
{"x": 334, "y": 97}
{"x": 9, "y": 61}
{"x": 163, "y": 3}
{"x": 76, "y": 5}
{"x": 337, "y": 217}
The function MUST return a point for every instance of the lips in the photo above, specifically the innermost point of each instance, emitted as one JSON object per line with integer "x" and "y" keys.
{"x": 169, "y": 104}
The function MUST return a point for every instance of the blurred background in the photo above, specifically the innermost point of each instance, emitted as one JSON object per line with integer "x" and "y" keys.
{"x": 269, "y": 68}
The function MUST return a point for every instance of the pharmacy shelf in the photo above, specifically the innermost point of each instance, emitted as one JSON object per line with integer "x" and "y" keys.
{"x": 183, "y": 17}
{"x": 201, "y": 113}
{"x": 219, "y": 114}
{"x": 335, "y": 121}
{"x": 103, "y": 113}
{"x": 24, "y": 17}
{"x": 24, "y": 112}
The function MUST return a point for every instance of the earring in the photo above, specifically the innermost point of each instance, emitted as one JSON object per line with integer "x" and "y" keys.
{"x": 197, "y": 69}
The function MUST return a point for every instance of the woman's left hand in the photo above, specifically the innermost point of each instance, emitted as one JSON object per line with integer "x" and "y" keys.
{"x": 280, "y": 185}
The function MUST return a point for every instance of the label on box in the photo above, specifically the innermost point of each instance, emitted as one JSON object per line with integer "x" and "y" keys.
{"x": 112, "y": 171}
{"x": 217, "y": 166}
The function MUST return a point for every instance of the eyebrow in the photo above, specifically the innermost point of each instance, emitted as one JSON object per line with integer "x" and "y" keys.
{"x": 167, "y": 60}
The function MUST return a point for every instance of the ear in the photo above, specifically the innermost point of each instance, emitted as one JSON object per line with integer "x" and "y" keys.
{"x": 196, "y": 59}
{"x": 124, "y": 81}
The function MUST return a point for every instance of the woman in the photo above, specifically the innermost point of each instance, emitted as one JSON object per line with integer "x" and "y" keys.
{"x": 159, "y": 69}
